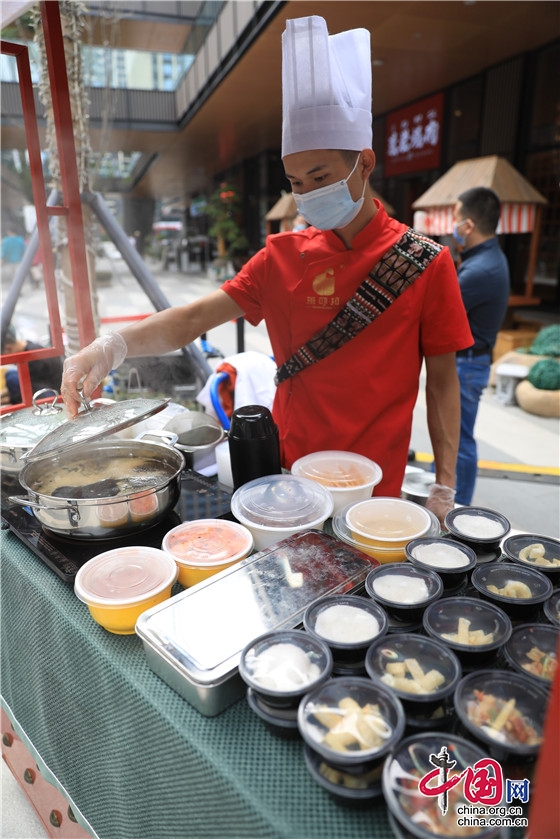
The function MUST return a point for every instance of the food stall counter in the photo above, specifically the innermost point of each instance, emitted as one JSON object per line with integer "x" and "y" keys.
{"x": 134, "y": 758}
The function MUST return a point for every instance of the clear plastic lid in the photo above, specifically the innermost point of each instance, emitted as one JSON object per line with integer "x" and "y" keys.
{"x": 421, "y": 814}
{"x": 351, "y": 719}
{"x": 343, "y": 532}
{"x": 502, "y": 707}
{"x": 443, "y": 555}
{"x": 124, "y": 575}
{"x": 466, "y": 623}
{"x": 532, "y": 650}
{"x": 281, "y": 501}
{"x": 338, "y": 469}
{"x": 208, "y": 542}
{"x": 345, "y": 620}
{"x": 477, "y": 524}
{"x": 414, "y": 666}
{"x": 97, "y": 422}
{"x": 285, "y": 662}
{"x": 387, "y": 519}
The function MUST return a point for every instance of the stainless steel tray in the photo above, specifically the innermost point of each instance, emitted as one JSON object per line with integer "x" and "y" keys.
{"x": 194, "y": 640}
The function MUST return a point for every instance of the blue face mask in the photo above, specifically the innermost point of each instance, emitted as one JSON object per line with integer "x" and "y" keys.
{"x": 332, "y": 206}
{"x": 461, "y": 240}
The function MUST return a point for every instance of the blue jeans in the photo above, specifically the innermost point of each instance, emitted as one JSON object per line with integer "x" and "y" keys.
{"x": 473, "y": 373}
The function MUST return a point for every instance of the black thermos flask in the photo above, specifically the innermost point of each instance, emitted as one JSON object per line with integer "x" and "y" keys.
{"x": 254, "y": 446}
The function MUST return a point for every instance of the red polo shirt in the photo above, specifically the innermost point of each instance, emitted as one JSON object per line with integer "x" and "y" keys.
{"x": 361, "y": 398}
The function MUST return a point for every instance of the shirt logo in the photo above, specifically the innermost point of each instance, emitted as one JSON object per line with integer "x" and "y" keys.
{"x": 323, "y": 284}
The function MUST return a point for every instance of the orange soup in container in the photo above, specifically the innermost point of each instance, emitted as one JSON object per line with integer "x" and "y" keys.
{"x": 204, "y": 547}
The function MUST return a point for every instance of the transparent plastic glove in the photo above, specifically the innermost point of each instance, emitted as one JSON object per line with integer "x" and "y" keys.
{"x": 89, "y": 367}
{"x": 441, "y": 500}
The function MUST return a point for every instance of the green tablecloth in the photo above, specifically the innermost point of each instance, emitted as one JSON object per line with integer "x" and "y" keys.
{"x": 137, "y": 759}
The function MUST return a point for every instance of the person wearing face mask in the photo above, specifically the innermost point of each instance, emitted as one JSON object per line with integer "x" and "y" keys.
{"x": 485, "y": 288}
{"x": 353, "y": 304}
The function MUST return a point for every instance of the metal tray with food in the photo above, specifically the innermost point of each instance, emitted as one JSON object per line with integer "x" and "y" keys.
{"x": 194, "y": 640}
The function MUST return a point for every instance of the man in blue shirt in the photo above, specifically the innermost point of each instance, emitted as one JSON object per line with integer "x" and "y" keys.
{"x": 485, "y": 288}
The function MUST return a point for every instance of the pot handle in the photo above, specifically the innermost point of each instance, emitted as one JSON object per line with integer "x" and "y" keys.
{"x": 26, "y": 501}
{"x": 158, "y": 436}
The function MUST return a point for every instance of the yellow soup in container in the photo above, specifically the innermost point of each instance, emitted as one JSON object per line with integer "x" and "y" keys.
{"x": 387, "y": 523}
{"x": 204, "y": 547}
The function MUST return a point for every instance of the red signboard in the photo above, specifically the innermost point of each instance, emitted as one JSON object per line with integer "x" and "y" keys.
{"x": 414, "y": 137}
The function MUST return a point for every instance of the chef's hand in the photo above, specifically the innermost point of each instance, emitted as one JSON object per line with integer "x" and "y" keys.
{"x": 441, "y": 500}
{"x": 89, "y": 367}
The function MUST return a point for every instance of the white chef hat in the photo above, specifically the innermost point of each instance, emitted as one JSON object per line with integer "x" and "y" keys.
{"x": 326, "y": 87}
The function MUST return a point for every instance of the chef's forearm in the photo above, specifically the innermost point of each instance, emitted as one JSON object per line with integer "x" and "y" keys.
{"x": 178, "y": 326}
{"x": 443, "y": 403}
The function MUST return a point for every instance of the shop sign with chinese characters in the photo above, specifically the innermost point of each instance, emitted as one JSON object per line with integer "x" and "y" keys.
{"x": 414, "y": 137}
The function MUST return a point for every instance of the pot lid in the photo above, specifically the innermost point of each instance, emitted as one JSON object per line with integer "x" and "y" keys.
{"x": 95, "y": 422}
{"x": 29, "y": 425}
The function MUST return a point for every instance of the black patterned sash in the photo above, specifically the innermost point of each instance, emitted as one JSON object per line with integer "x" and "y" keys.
{"x": 396, "y": 271}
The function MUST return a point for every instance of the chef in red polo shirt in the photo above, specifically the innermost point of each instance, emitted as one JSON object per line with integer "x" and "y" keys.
{"x": 350, "y": 384}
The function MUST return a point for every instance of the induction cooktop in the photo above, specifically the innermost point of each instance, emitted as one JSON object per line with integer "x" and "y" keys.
{"x": 200, "y": 498}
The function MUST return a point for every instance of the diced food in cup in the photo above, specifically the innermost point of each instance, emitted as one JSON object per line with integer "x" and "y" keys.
{"x": 541, "y": 664}
{"x": 467, "y": 636}
{"x": 536, "y": 553}
{"x": 409, "y": 676}
{"x": 504, "y": 710}
{"x": 351, "y": 721}
{"x": 351, "y": 726}
{"x": 512, "y": 588}
{"x": 501, "y": 720}
{"x": 418, "y": 814}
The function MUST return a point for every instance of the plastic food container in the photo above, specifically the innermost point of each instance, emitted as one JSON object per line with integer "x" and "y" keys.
{"x": 278, "y": 506}
{"x": 194, "y": 641}
{"x": 404, "y": 590}
{"x": 387, "y": 523}
{"x": 351, "y": 722}
{"x": 504, "y": 712}
{"x": 348, "y": 477}
{"x": 348, "y": 625}
{"x": 382, "y": 555}
{"x": 532, "y": 650}
{"x": 474, "y": 629}
{"x": 479, "y": 527}
{"x": 203, "y": 547}
{"x": 120, "y": 584}
{"x": 421, "y": 671}
{"x": 450, "y": 560}
{"x": 353, "y": 789}
{"x": 516, "y": 589}
{"x": 280, "y": 667}
{"x": 539, "y": 552}
{"x": 418, "y": 815}
{"x": 551, "y": 608}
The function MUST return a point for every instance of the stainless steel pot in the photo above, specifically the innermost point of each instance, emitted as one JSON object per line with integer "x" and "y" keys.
{"x": 104, "y": 489}
{"x": 416, "y": 484}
